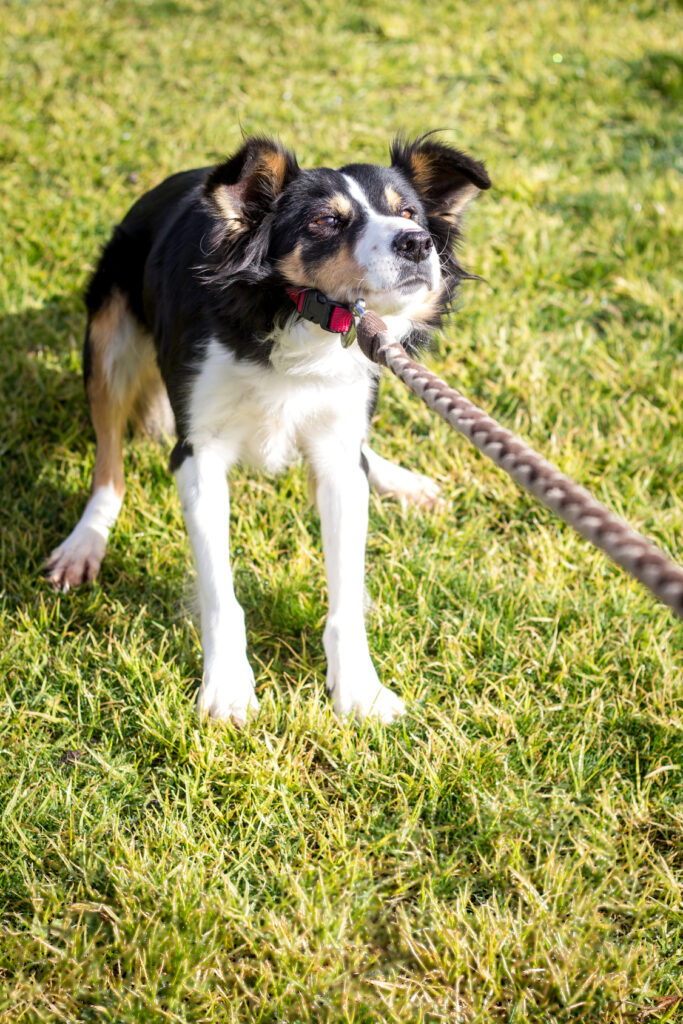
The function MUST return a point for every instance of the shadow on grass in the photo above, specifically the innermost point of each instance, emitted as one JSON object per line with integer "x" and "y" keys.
{"x": 661, "y": 71}
{"x": 47, "y": 434}
{"x": 47, "y": 449}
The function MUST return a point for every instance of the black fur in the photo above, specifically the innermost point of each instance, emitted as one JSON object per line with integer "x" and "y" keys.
{"x": 190, "y": 272}
{"x": 181, "y": 450}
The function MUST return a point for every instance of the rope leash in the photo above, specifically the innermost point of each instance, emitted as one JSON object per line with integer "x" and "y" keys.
{"x": 573, "y": 503}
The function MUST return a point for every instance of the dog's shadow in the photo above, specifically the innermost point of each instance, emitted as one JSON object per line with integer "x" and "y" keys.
{"x": 46, "y": 452}
{"x": 46, "y": 456}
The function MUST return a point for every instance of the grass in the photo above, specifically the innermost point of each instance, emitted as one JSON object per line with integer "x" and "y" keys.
{"x": 511, "y": 851}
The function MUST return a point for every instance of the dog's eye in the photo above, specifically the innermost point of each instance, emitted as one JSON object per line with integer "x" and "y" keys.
{"x": 409, "y": 213}
{"x": 329, "y": 221}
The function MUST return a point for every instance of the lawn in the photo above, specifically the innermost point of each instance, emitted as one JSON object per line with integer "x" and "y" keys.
{"x": 512, "y": 850}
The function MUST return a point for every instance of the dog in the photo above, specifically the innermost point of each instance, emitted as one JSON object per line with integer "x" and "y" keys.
{"x": 215, "y": 315}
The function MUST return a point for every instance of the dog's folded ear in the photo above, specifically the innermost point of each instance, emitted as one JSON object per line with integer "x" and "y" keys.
{"x": 241, "y": 195}
{"x": 445, "y": 178}
{"x": 243, "y": 190}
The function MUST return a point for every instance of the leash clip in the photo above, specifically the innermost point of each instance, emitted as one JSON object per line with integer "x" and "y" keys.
{"x": 357, "y": 309}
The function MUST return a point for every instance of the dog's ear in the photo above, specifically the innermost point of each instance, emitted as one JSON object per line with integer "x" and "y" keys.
{"x": 243, "y": 190}
{"x": 241, "y": 195}
{"x": 445, "y": 179}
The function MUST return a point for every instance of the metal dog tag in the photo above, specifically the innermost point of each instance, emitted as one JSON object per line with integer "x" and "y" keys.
{"x": 357, "y": 309}
{"x": 350, "y": 336}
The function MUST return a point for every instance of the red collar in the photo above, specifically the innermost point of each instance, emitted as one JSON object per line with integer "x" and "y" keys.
{"x": 316, "y": 307}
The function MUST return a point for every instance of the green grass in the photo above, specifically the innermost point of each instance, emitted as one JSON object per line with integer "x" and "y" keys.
{"x": 511, "y": 851}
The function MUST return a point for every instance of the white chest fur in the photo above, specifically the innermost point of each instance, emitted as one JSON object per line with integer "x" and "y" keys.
{"x": 263, "y": 415}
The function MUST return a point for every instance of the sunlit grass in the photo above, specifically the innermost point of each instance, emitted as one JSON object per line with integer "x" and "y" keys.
{"x": 512, "y": 850}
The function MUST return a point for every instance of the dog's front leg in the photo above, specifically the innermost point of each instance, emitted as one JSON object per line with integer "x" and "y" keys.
{"x": 341, "y": 490}
{"x": 227, "y": 690}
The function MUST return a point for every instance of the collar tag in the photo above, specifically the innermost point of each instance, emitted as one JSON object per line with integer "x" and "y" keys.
{"x": 357, "y": 310}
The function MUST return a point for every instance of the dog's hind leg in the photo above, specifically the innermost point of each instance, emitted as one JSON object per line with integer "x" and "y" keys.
{"x": 118, "y": 365}
{"x": 152, "y": 415}
{"x": 408, "y": 487}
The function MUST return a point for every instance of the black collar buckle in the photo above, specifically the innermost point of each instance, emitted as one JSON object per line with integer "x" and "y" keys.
{"x": 317, "y": 308}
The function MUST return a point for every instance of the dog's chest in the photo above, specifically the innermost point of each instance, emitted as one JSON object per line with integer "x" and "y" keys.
{"x": 268, "y": 416}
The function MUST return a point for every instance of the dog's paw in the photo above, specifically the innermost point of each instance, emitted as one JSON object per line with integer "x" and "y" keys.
{"x": 409, "y": 488}
{"x": 376, "y": 702}
{"x": 77, "y": 560}
{"x": 419, "y": 490}
{"x": 228, "y": 702}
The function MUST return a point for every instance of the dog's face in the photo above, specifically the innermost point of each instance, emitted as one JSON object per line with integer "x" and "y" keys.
{"x": 384, "y": 234}
{"x": 359, "y": 232}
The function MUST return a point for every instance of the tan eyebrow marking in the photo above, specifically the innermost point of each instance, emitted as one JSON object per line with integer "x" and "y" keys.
{"x": 341, "y": 205}
{"x": 393, "y": 199}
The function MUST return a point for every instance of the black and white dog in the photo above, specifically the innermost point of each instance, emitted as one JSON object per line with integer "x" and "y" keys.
{"x": 216, "y": 311}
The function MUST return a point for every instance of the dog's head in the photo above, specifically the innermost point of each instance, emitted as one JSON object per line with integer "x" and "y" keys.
{"x": 384, "y": 234}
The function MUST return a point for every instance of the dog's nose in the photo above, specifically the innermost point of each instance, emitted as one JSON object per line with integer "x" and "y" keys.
{"x": 413, "y": 245}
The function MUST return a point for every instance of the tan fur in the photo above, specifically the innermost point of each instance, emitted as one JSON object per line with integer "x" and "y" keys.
{"x": 123, "y": 382}
{"x": 394, "y": 201}
{"x": 421, "y": 166}
{"x": 340, "y": 205}
{"x": 459, "y": 202}
{"x": 105, "y": 323}
{"x": 274, "y": 164}
{"x": 340, "y": 276}
{"x": 108, "y": 413}
{"x": 152, "y": 414}
{"x": 228, "y": 202}
{"x": 292, "y": 268}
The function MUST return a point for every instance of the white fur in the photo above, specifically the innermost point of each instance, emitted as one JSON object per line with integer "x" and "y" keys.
{"x": 262, "y": 415}
{"x": 410, "y": 488}
{"x": 80, "y": 555}
{"x": 312, "y": 400}
{"x": 374, "y": 252}
{"x": 227, "y": 690}
{"x": 342, "y": 497}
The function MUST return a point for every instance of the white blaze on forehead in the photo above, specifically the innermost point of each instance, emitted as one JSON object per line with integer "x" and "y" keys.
{"x": 357, "y": 192}
{"x": 385, "y": 219}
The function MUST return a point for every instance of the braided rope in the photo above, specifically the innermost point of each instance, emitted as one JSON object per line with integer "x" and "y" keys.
{"x": 573, "y": 503}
